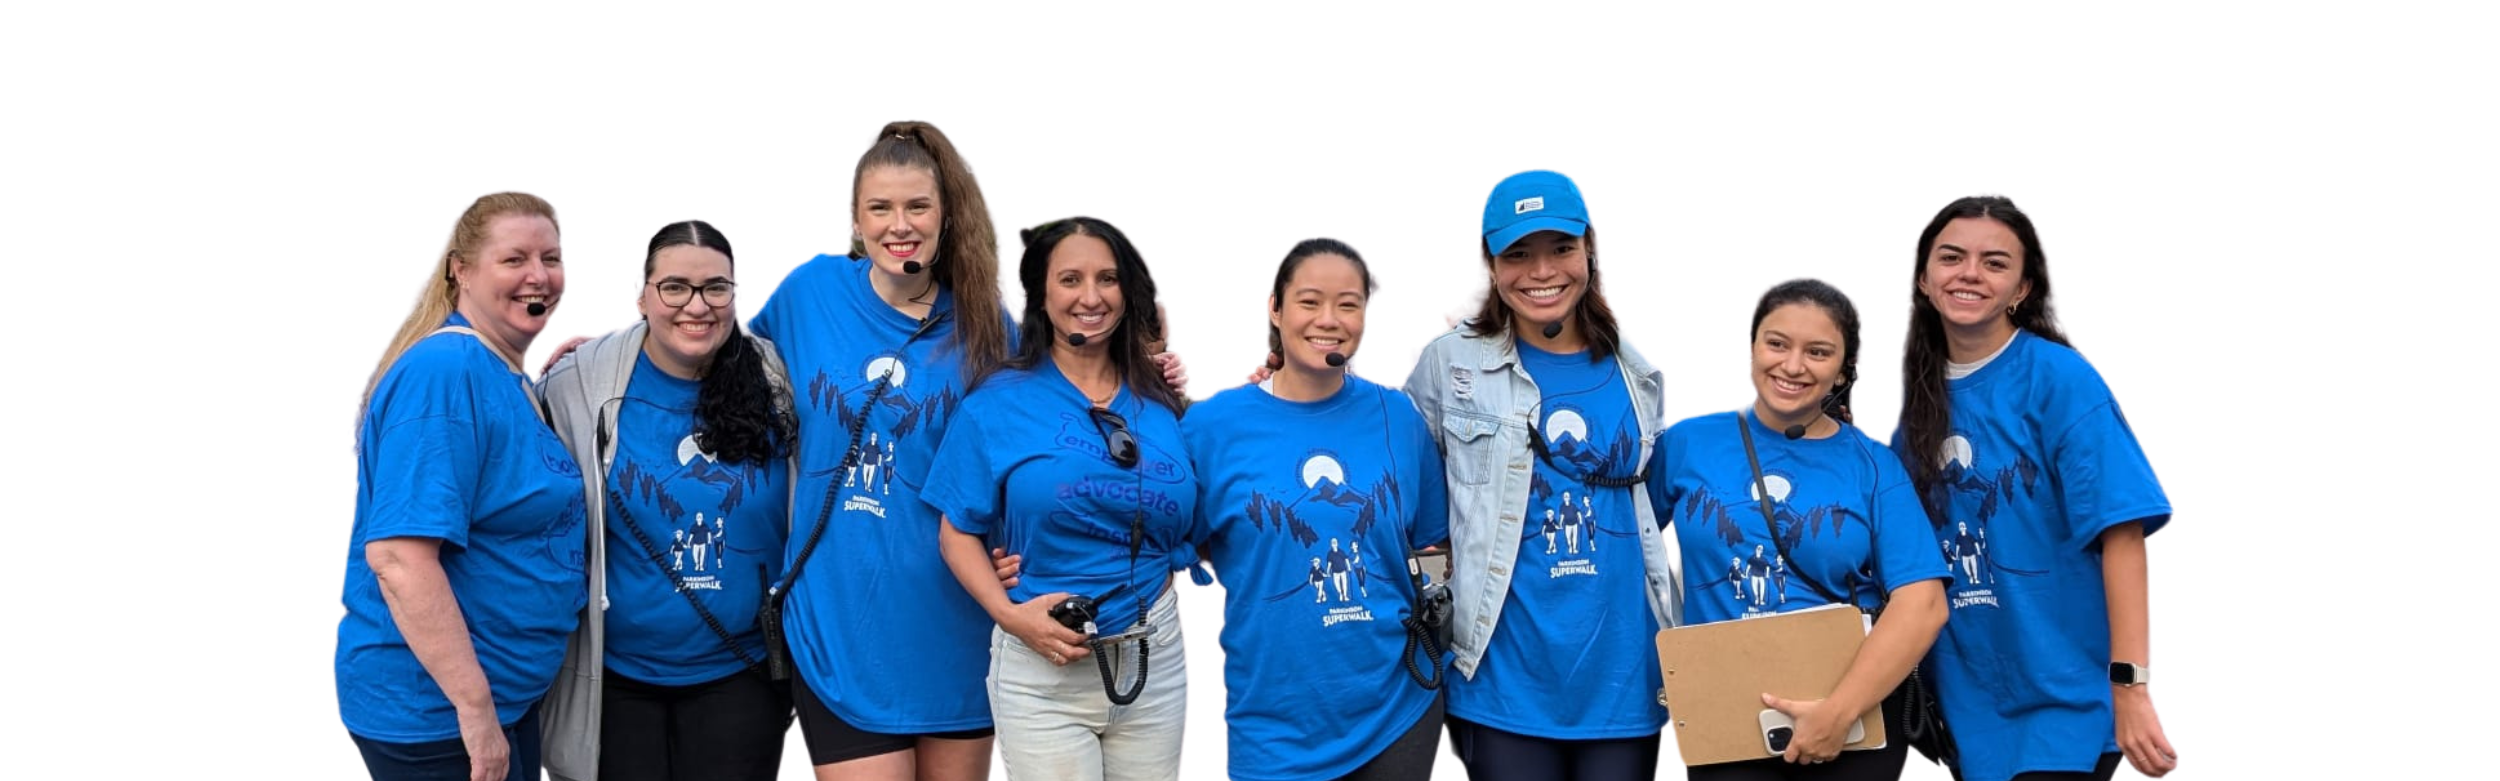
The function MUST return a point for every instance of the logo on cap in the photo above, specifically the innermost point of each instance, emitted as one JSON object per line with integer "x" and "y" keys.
{"x": 1525, "y": 205}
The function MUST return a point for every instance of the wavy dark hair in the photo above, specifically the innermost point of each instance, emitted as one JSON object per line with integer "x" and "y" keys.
{"x": 1594, "y": 317}
{"x": 1138, "y": 324}
{"x": 1926, "y": 409}
{"x": 967, "y": 257}
{"x": 1844, "y": 315}
{"x": 739, "y": 410}
{"x": 1306, "y": 250}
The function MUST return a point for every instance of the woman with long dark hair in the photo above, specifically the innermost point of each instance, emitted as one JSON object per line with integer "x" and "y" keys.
{"x": 684, "y": 424}
{"x": 1843, "y": 526}
{"x": 1069, "y": 457}
{"x": 2041, "y": 499}
{"x": 1560, "y": 574}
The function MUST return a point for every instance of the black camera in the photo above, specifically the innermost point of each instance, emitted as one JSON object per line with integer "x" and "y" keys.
{"x": 1076, "y": 613}
{"x": 1436, "y": 611}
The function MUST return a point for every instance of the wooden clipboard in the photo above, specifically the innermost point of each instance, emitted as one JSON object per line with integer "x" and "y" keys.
{"x": 1716, "y": 673}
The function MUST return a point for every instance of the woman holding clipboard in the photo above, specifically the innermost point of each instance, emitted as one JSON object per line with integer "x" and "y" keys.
{"x": 1842, "y": 523}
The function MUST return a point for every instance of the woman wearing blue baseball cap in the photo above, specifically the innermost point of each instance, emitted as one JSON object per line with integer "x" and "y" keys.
{"x": 1545, "y": 417}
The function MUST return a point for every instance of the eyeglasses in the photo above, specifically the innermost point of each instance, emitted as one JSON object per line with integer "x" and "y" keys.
{"x": 717, "y": 293}
{"x": 1115, "y": 437}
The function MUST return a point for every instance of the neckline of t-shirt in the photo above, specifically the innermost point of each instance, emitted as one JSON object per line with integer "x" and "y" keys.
{"x": 1959, "y": 374}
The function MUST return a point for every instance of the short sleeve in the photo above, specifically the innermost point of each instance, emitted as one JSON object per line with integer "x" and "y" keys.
{"x": 1905, "y": 541}
{"x": 2103, "y": 477}
{"x": 1660, "y": 478}
{"x": 424, "y": 455}
{"x": 965, "y": 483}
{"x": 767, "y": 322}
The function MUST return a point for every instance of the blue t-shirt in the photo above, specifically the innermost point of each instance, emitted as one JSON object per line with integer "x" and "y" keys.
{"x": 1026, "y": 470}
{"x": 2039, "y": 463}
{"x": 1308, "y": 510}
{"x": 1575, "y": 654}
{"x": 877, "y": 625}
{"x": 716, "y": 527}
{"x": 1848, "y": 517}
{"x": 452, "y": 449}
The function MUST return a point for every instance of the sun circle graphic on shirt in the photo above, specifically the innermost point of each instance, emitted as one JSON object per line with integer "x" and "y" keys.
{"x": 1565, "y": 421}
{"x": 1956, "y": 452}
{"x": 1776, "y": 484}
{"x": 687, "y": 450}
{"x": 881, "y": 364}
{"x": 1320, "y": 466}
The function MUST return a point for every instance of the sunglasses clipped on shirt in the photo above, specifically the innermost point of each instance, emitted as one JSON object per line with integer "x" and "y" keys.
{"x": 1115, "y": 437}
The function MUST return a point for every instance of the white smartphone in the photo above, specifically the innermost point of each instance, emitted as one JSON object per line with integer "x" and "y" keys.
{"x": 1777, "y": 730}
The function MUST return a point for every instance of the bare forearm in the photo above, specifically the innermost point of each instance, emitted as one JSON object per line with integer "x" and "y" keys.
{"x": 1900, "y": 639}
{"x": 428, "y": 616}
{"x": 2123, "y": 577}
{"x": 969, "y": 559}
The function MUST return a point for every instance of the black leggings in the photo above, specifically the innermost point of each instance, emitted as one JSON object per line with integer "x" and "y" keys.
{"x": 1410, "y": 757}
{"x": 2101, "y": 771}
{"x": 1495, "y": 755}
{"x": 729, "y": 728}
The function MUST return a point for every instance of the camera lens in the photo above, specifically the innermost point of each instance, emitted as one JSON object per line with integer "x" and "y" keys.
{"x": 1778, "y": 737}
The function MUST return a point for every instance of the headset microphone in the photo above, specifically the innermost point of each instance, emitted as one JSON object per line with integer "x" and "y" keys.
{"x": 1553, "y": 329}
{"x": 1335, "y": 360}
{"x": 912, "y": 267}
{"x": 537, "y": 309}
{"x": 1078, "y": 339}
{"x": 1796, "y": 432}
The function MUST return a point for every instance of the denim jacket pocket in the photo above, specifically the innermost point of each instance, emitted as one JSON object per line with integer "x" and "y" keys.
{"x": 1469, "y": 444}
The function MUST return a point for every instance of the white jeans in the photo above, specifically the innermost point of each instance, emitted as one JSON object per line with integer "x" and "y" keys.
{"x": 1056, "y": 723}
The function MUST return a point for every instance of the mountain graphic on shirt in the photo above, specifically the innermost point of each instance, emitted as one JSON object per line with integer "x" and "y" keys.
{"x": 910, "y": 413}
{"x": 1321, "y": 495}
{"x": 1965, "y": 474}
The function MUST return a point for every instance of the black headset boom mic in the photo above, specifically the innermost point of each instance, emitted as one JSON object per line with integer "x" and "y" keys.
{"x": 912, "y": 267}
{"x": 1335, "y": 360}
{"x": 1553, "y": 329}
{"x": 537, "y": 309}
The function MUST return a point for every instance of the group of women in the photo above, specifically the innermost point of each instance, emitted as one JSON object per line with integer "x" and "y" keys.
{"x": 925, "y": 530}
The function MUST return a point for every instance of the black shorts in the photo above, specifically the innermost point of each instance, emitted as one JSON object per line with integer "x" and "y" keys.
{"x": 831, "y": 740}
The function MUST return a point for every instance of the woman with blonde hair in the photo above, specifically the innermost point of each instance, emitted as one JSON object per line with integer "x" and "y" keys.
{"x": 464, "y": 566}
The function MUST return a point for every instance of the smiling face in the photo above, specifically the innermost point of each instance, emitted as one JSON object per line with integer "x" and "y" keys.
{"x": 1321, "y": 312}
{"x": 1973, "y": 275}
{"x": 684, "y": 337}
{"x": 898, "y": 216}
{"x": 1541, "y": 277}
{"x": 518, "y": 264}
{"x": 1797, "y": 360}
{"x": 1081, "y": 291}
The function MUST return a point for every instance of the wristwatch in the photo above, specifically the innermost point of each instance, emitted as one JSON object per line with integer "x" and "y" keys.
{"x": 2129, "y": 674}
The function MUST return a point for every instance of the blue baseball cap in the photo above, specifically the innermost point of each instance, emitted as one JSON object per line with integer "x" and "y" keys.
{"x": 1529, "y": 202}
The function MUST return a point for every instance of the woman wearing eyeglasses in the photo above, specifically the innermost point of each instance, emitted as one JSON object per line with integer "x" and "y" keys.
{"x": 684, "y": 425}
{"x": 1070, "y": 457}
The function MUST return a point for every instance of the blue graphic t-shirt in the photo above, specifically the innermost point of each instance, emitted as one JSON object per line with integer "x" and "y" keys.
{"x": 1308, "y": 510}
{"x": 1575, "y": 655}
{"x": 452, "y": 449}
{"x": 1026, "y": 470}
{"x": 878, "y": 627}
{"x": 715, "y": 527}
{"x": 2039, "y": 463}
{"x": 1847, "y": 516}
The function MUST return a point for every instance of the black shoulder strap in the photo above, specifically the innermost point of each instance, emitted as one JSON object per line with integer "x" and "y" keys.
{"x": 1762, "y": 499}
{"x": 651, "y": 550}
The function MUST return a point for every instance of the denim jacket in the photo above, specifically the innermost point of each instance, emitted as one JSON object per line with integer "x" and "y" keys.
{"x": 1476, "y": 397}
